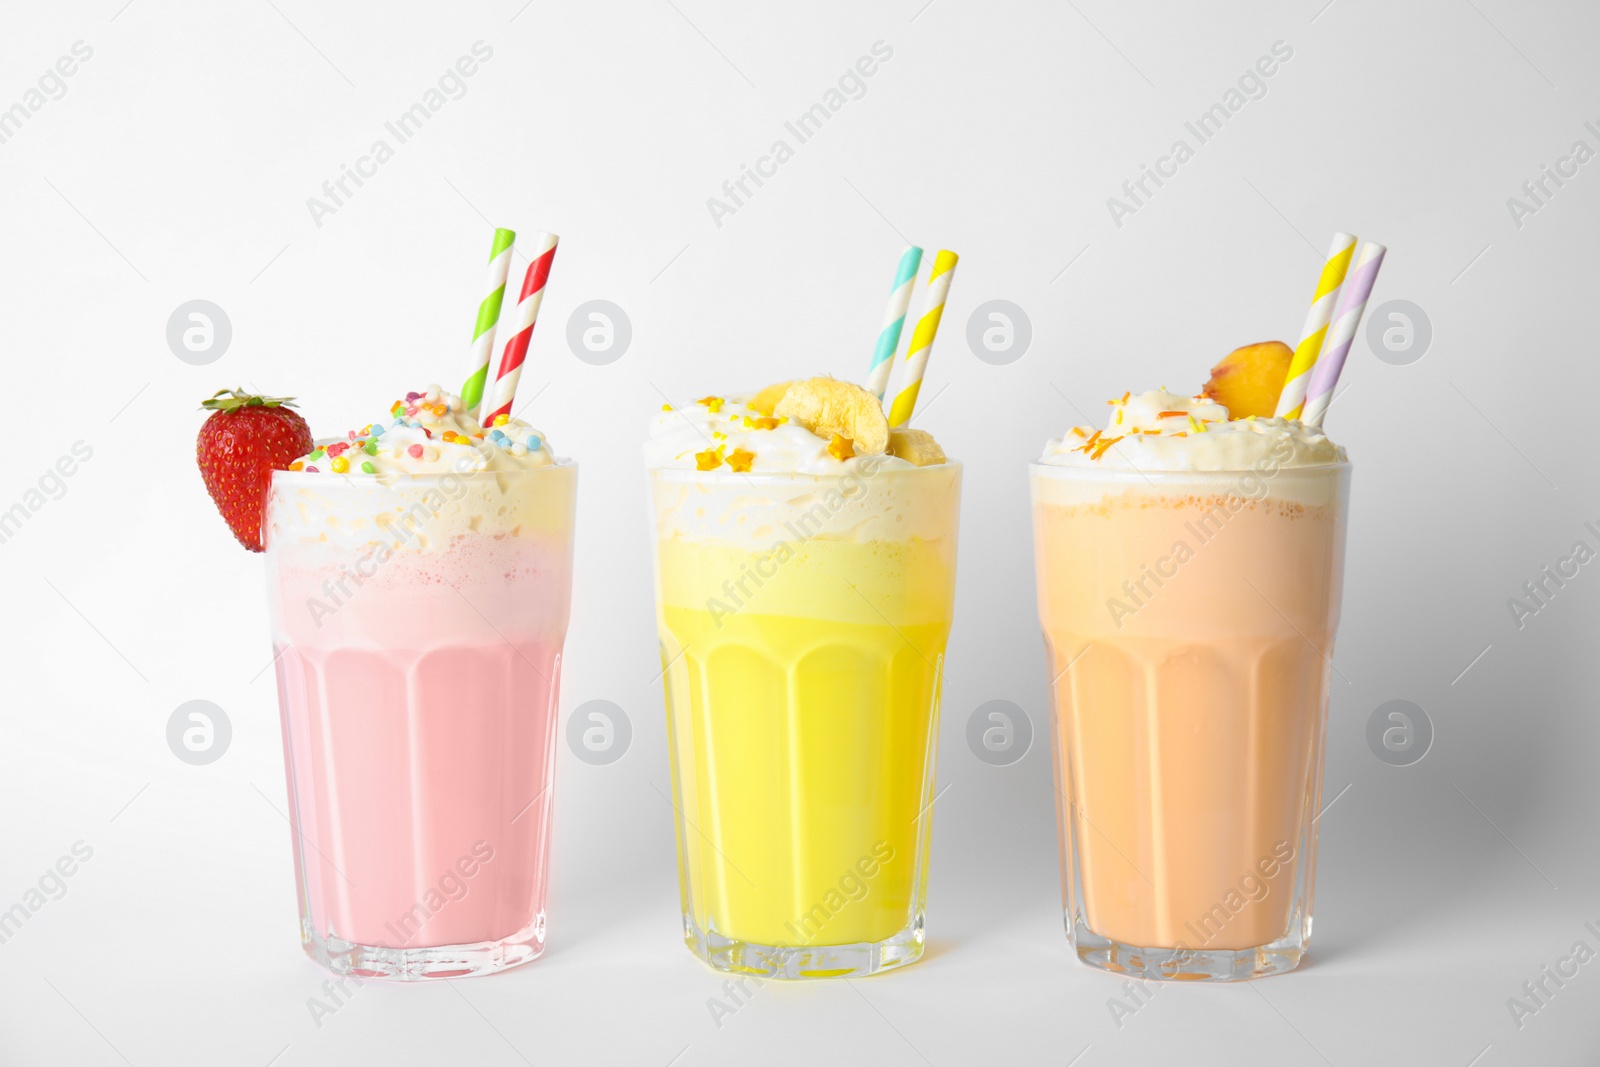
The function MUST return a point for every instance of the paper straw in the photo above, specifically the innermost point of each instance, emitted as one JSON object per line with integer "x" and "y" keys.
{"x": 905, "y": 401}
{"x": 522, "y": 320}
{"x": 894, "y": 320}
{"x": 488, "y": 316}
{"x": 1352, "y": 302}
{"x": 1293, "y": 397}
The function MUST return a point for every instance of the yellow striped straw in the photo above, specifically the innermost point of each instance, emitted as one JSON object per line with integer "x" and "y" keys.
{"x": 905, "y": 401}
{"x": 1291, "y": 402}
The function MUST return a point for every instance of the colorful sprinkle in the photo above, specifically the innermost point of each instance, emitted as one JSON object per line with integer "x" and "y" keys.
{"x": 1100, "y": 449}
{"x": 318, "y": 454}
{"x": 712, "y": 403}
{"x": 340, "y": 465}
{"x": 368, "y": 468}
{"x": 535, "y": 442}
{"x": 501, "y": 419}
{"x": 370, "y": 448}
{"x": 415, "y": 451}
{"x": 311, "y": 470}
{"x": 841, "y": 448}
{"x": 739, "y": 460}
{"x": 412, "y": 398}
{"x": 297, "y": 466}
{"x": 375, "y": 430}
{"x": 709, "y": 460}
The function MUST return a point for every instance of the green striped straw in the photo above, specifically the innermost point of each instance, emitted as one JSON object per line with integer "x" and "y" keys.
{"x": 488, "y": 317}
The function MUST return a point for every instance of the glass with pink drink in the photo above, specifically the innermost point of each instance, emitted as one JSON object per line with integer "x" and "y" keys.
{"x": 419, "y": 577}
{"x": 1189, "y": 570}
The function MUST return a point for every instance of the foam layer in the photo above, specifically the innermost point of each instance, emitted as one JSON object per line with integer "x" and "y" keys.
{"x": 1075, "y": 486}
{"x": 418, "y": 513}
{"x": 878, "y": 498}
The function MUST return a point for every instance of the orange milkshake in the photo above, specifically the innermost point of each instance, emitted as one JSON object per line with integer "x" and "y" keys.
{"x": 1189, "y": 571}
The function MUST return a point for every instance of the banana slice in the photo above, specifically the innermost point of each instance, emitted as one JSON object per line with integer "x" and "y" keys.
{"x": 915, "y": 446}
{"x": 768, "y": 398}
{"x": 827, "y": 406}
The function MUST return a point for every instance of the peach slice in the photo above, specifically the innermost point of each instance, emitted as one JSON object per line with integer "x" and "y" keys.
{"x": 1248, "y": 380}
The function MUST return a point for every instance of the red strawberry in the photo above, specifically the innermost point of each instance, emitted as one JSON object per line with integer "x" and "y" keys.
{"x": 246, "y": 438}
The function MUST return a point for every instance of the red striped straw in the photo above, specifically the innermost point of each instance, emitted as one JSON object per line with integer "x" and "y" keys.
{"x": 527, "y": 312}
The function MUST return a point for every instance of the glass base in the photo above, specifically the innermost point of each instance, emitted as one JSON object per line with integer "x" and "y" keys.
{"x": 420, "y": 964}
{"x": 1185, "y": 965}
{"x": 857, "y": 960}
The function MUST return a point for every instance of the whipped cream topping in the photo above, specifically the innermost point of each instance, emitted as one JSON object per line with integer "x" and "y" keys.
{"x": 429, "y": 432}
{"x": 725, "y": 434}
{"x": 1161, "y": 431}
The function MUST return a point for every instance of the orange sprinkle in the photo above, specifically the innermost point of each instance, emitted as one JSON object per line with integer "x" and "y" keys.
{"x": 762, "y": 422}
{"x": 1107, "y": 443}
{"x": 1169, "y": 414}
{"x": 297, "y": 466}
{"x": 709, "y": 460}
{"x": 1181, "y": 433}
{"x": 739, "y": 460}
{"x": 1077, "y": 431}
{"x": 841, "y": 448}
{"x": 1150, "y": 431}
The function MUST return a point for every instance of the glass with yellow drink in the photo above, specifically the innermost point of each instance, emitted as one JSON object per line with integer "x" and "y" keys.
{"x": 803, "y": 615}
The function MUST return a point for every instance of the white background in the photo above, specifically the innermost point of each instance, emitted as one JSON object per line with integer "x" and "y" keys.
{"x": 177, "y": 166}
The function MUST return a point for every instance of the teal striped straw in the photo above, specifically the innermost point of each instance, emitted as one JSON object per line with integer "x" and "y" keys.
{"x": 894, "y": 320}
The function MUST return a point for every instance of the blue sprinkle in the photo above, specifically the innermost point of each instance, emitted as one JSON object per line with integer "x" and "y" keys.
{"x": 534, "y": 443}
{"x": 377, "y": 431}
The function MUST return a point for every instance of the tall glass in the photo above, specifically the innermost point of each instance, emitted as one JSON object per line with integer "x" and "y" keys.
{"x": 418, "y": 626}
{"x": 1189, "y": 621}
{"x": 803, "y": 621}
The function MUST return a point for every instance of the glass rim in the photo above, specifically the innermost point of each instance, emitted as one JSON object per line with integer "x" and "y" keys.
{"x": 1133, "y": 473}
{"x": 362, "y": 480}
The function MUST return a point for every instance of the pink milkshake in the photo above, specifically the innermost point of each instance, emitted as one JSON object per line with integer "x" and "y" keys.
{"x": 420, "y": 581}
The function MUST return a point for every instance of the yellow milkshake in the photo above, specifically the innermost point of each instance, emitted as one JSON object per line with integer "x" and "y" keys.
{"x": 803, "y": 619}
